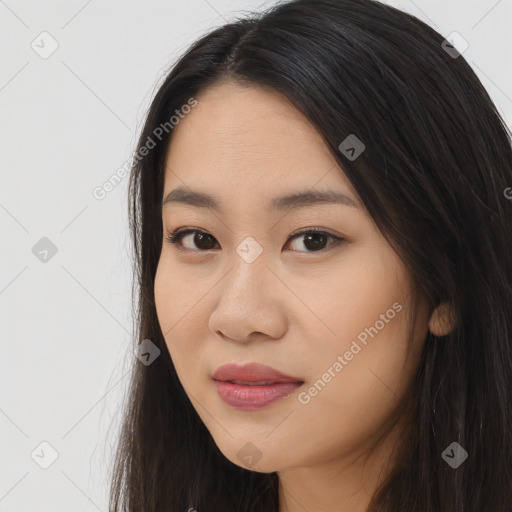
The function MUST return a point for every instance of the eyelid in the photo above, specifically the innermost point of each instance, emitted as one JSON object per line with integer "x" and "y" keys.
{"x": 176, "y": 236}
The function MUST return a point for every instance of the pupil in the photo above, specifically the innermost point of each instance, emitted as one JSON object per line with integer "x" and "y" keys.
{"x": 199, "y": 237}
{"x": 311, "y": 237}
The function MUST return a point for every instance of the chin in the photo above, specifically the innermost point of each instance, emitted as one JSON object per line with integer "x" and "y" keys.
{"x": 247, "y": 455}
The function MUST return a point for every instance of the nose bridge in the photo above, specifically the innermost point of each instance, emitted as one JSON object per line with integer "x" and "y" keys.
{"x": 247, "y": 301}
{"x": 248, "y": 268}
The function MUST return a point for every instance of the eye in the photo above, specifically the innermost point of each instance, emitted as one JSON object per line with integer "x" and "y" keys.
{"x": 314, "y": 239}
{"x": 200, "y": 237}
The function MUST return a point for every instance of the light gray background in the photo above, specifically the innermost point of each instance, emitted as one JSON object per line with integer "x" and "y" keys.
{"x": 67, "y": 123}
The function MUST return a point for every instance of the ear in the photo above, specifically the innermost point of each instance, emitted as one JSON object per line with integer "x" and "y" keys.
{"x": 442, "y": 320}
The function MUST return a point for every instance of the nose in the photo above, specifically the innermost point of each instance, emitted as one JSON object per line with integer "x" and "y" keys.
{"x": 251, "y": 303}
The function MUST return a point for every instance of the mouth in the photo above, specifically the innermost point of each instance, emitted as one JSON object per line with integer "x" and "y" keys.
{"x": 253, "y": 386}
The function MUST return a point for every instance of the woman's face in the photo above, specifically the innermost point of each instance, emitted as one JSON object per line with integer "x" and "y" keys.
{"x": 330, "y": 313}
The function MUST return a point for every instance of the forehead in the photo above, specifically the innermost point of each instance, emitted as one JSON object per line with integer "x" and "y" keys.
{"x": 249, "y": 139}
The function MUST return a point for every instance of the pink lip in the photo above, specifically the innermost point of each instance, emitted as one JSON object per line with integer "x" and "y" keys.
{"x": 250, "y": 397}
{"x": 251, "y": 372}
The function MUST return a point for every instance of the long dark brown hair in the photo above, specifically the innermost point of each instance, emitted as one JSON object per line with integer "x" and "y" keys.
{"x": 433, "y": 176}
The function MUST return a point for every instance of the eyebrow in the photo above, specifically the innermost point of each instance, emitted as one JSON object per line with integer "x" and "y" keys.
{"x": 182, "y": 195}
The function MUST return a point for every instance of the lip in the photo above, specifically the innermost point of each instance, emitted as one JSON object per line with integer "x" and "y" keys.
{"x": 252, "y": 372}
{"x": 251, "y": 397}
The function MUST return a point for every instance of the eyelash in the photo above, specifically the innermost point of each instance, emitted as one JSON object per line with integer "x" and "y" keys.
{"x": 176, "y": 236}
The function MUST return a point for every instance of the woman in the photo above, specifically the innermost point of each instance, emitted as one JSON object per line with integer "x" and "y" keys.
{"x": 322, "y": 244}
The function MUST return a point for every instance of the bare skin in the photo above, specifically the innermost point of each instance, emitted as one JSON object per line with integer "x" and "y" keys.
{"x": 296, "y": 307}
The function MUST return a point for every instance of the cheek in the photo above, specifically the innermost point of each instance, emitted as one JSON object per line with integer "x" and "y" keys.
{"x": 352, "y": 294}
{"x": 164, "y": 290}
{"x": 351, "y": 405}
{"x": 177, "y": 296}
{"x": 368, "y": 304}
{"x": 177, "y": 307}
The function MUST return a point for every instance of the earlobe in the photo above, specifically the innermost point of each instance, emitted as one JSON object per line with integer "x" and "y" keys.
{"x": 442, "y": 320}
